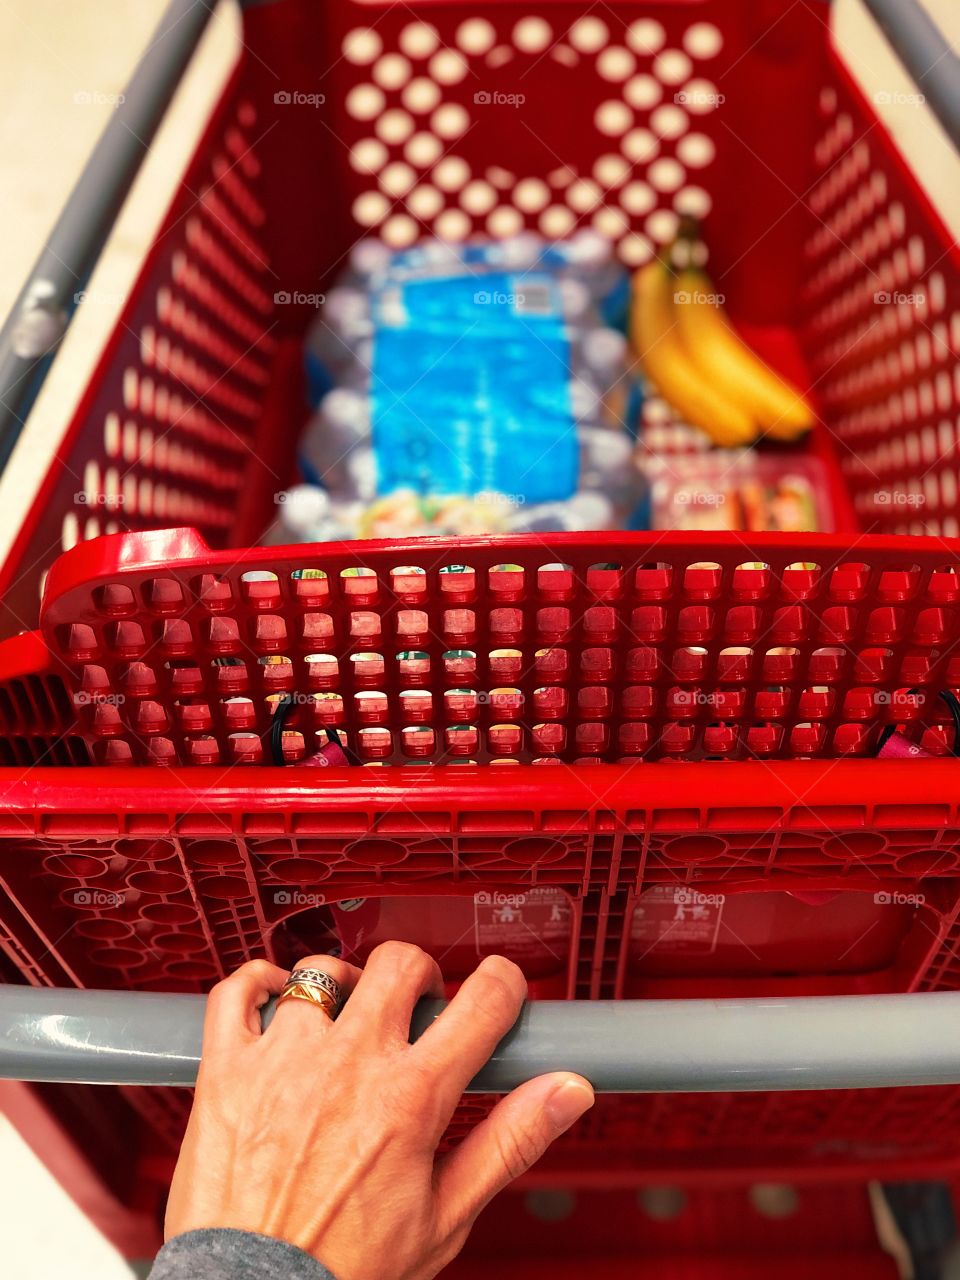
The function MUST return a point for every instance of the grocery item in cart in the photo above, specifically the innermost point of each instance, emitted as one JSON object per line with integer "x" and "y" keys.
{"x": 585, "y": 266}
{"x": 308, "y": 514}
{"x": 460, "y": 369}
{"x": 405, "y": 513}
{"x": 741, "y": 490}
{"x": 465, "y": 410}
{"x": 696, "y": 360}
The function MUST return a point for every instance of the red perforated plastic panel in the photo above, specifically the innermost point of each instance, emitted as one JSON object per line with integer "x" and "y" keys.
{"x": 574, "y": 648}
{"x": 884, "y": 338}
{"x": 164, "y": 880}
{"x": 167, "y": 430}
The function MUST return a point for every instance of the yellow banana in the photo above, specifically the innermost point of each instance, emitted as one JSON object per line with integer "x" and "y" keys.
{"x": 730, "y": 366}
{"x": 657, "y": 341}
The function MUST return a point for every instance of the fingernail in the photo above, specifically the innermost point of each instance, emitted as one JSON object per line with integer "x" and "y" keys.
{"x": 568, "y": 1102}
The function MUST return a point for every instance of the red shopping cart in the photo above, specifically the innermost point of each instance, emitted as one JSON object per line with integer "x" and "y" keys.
{"x": 663, "y": 743}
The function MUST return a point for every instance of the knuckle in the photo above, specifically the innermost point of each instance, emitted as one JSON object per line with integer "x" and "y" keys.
{"x": 510, "y": 974}
{"x": 252, "y": 974}
{"x": 332, "y": 966}
{"x": 403, "y": 957}
{"x": 500, "y": 986}
{"x": 216, "y": 994}
{"x": 493, "y": 1010}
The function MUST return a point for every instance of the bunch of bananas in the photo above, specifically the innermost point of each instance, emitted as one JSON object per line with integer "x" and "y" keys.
{"x": 697, "y": 363}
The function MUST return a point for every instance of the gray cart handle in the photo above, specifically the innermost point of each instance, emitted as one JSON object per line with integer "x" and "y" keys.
{"x": 621, "y": 1046}
{"x": 927, "y": 56}
{"x": 45, "y": 306}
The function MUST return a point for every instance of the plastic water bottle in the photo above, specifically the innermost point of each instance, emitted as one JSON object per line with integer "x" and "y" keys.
{"x": 339, "y": 427}
{"x": 521, "y": 252}
{"x": 336, "y": 449}
{"x": 336, "y": 339}
{"x": 586, "y": 402}
{"x": 306, "y": 514}
{"x": 361, "y": 469}
{"x": 604, "y": 353}
{"x": 589, "y": 257}
{"x": 585, "y": 510}
{"x": 606, "y": 466}
{"x": 369, "y": 257}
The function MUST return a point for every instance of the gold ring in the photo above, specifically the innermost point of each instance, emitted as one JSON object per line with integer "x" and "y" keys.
{"x": 316, "y": 987}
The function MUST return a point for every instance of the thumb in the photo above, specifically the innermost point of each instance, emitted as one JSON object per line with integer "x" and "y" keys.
{"x": 513, "y": 1137}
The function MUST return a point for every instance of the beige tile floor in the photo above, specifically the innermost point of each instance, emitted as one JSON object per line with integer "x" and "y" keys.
{"x": 50, "y": 51}
{"x": 43, "y": 1233}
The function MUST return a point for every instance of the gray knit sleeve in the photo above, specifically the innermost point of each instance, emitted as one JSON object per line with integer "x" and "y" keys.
{"x": 223, "y": 1254}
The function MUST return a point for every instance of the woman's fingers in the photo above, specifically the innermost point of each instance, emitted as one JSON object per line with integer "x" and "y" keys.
{"x": 513, "y": 1137}
{"x": 395, "y": 977}
{"x": 466, "y": 1033}
{"x": 302, "y": 1017}
{"x": 233, "y": 1006}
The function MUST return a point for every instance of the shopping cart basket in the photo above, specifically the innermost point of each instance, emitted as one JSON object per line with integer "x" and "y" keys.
{"x": 663, "y": 743}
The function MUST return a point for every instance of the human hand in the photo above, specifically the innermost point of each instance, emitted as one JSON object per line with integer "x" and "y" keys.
{"x": 324, "y": 1134}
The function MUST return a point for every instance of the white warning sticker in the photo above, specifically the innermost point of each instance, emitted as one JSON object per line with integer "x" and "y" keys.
{"x": 522, "y": 924}
{"x": 677, "y": 918}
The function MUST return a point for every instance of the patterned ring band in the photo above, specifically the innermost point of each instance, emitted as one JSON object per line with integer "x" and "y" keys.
{"x": 316, "y": 987}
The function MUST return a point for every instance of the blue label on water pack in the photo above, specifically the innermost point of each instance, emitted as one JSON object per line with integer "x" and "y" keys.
{"x": 471, "y": 386}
